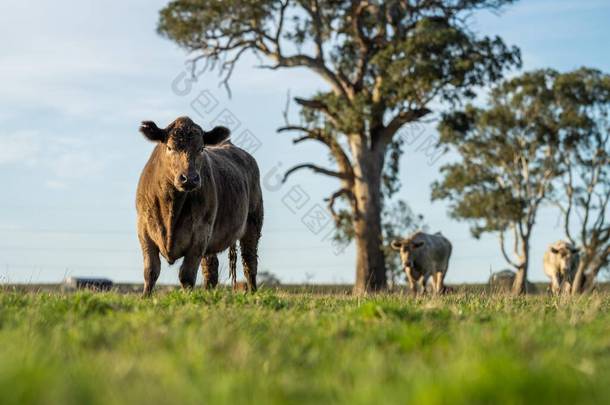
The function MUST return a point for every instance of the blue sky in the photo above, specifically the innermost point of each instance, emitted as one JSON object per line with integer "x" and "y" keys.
{"x": 79, "y": 76}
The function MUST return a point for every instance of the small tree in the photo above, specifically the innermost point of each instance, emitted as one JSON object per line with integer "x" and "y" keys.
{"x": 584, "y": 97}
{"x": 384, "y": 62}
{"x": 508, "y": 158}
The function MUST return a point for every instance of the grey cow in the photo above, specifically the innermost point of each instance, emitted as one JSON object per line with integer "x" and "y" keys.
{"x": 424, "y": 255}
{"x": 560, "y": 264}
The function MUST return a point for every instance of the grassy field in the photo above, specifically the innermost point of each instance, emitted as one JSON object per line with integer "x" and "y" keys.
{"x": 276, "y": 347}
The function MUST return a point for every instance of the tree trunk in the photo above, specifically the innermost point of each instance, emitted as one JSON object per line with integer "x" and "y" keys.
{"x": 590, "y": 282}
{"x": 579, "y": 278}
{"x": 370, "y": 260}
{"x": 588, "y": 268}
{"x": 590, "y": 276}
{"x": 520, "y": 283}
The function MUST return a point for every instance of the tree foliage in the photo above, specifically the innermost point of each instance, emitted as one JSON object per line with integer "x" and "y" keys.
{"x": 544, "y": 137}
{"x": 509, "y": 155}
{"x": 584, "y": 97}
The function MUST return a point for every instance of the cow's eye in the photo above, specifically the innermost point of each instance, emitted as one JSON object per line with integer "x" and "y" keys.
{"x": 170, "y": 149}
{"x": 202, "y": 149}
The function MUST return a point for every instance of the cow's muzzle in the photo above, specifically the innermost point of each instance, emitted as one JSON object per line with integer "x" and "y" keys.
{"x": 188, "y": 182}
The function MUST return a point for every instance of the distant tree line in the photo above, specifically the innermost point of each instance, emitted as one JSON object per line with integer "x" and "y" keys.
{"x": 542, "y": 138}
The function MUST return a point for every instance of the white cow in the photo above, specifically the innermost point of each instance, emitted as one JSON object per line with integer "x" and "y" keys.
{"x": 560, "y": 264}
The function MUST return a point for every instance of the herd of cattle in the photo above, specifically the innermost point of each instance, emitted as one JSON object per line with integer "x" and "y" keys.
{"x": 426, "y": 257}
{"x": 199, "y": 194}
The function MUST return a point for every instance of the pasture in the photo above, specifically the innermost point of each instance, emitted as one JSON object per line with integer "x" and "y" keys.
{"x": 286, "y": 347}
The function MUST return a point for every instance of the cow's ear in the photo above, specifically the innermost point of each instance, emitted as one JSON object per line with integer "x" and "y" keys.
{"x": 216, "y": 135}
{"x": 152, "y": 132}
{"x": 418, "y": 244}
{"x": 396, "y": 244}
{"x": 555, "y": 251}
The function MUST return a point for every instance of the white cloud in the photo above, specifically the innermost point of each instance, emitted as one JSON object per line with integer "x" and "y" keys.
{"x": 63, "y": 159}
{"x": 19, "y": 148}
{"x": 55, "y": 185}
{"x": 58, "y": 61}
{"x": 75, "y": 164}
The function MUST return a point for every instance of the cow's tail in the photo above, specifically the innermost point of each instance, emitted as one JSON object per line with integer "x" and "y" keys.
{"x": 233, "y": 265}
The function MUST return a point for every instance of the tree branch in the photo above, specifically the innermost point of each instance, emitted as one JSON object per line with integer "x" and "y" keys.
{"x": 568, "y": 211}
{"x": 604, "y": 200}
{"x": 364, "y": 43}
{"x": 317, "y": 63}
{"x": 315, "y": 169}
{"x": 386, "y": 134}
{"x": 340, "y": 156}
{"x": 332, "y": 199}
{"x": 318, "y": 105}
{"x": 503, "y": 248}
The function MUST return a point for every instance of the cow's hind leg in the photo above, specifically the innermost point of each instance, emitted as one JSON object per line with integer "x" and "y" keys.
{"x": 209, "y": 269}
{"x": 439, "y": 286}
{"x": 422, "y": 283}
{"x": 188, "y": 271}
{"x": 249, "y": 249}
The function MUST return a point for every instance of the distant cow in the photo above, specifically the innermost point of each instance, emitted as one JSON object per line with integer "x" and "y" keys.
{"x": 198, "y": 194}
{"x": 501, "y": 282}
{"x": 424, "y": 255}
{"x": 560, "y": 264}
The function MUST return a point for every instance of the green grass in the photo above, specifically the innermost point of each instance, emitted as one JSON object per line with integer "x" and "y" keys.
{"x": 220, "y": 347}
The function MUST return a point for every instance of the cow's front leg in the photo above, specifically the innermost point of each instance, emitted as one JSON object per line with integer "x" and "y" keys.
{"x": 411, "y": 280}
{"x": 555, "y": 284}
{"x": 152, "y": 263}
{"x": 188, "y": 270}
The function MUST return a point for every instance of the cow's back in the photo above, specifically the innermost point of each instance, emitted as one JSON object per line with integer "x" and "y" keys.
{"x": 237, "y": 181}
{"x": 437, "y": 247}
{"x": 433, "y": 254}
{"x": 442, "y": 246}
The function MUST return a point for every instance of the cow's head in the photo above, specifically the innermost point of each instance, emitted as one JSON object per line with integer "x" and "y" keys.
{"x": 566, "y": 256}
{"x": 183, "y": 144}
{"x": 407, "y": 247}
